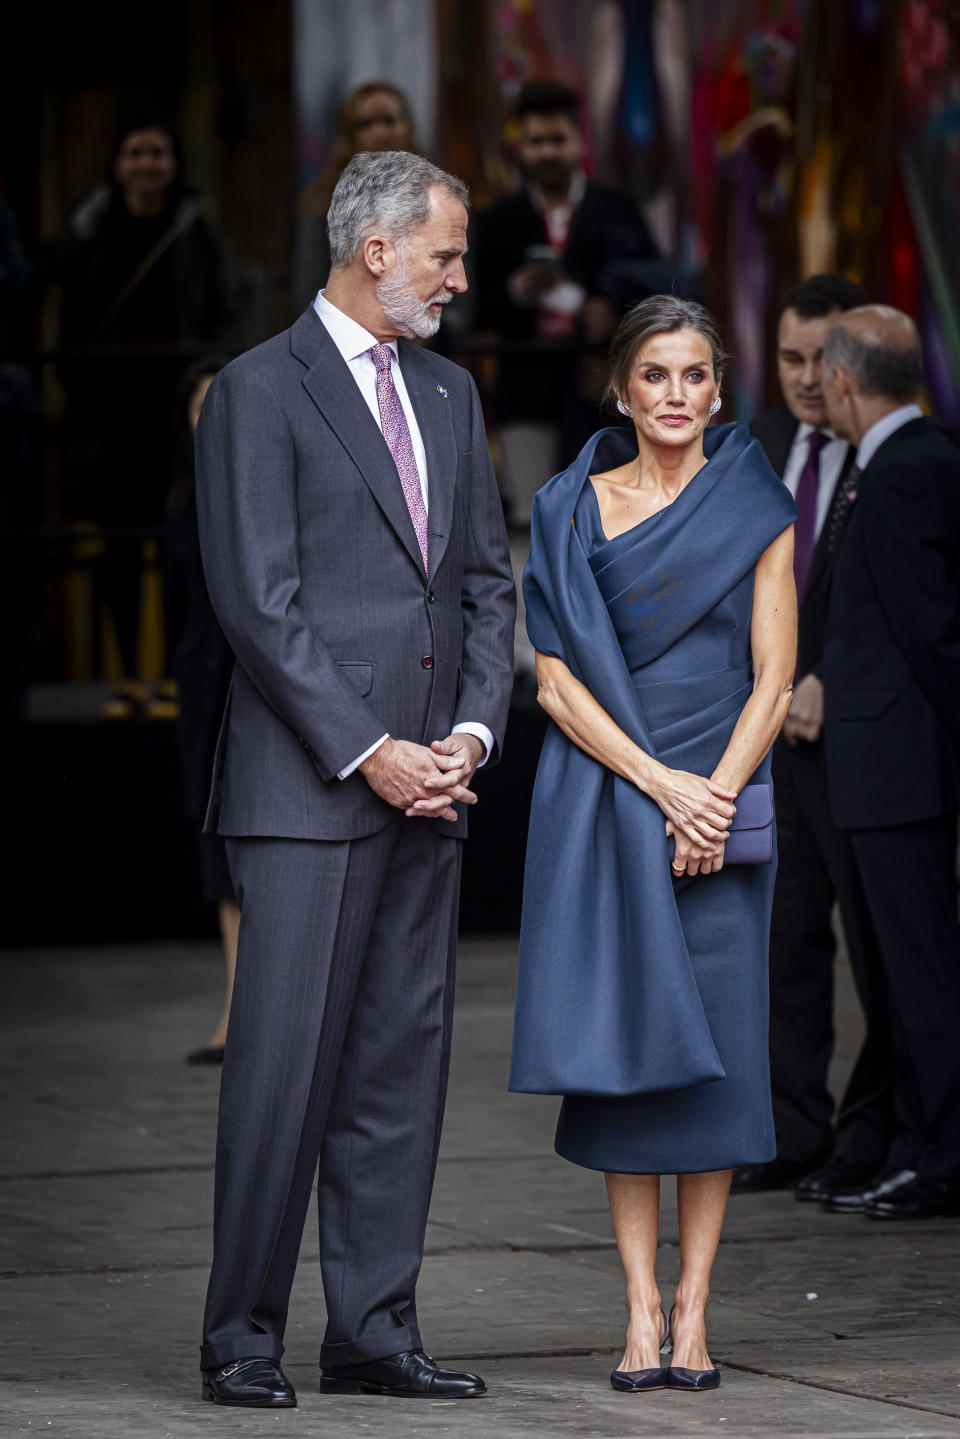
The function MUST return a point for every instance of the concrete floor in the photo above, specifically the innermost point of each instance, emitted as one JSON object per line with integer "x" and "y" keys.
{"x": 823, "y": 1325}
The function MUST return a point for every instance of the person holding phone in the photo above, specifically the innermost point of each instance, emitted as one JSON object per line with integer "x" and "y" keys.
{"x": 549, "y": 258}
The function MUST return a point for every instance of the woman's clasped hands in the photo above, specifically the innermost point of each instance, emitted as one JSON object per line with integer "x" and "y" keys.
{"x": 698, "y": 815}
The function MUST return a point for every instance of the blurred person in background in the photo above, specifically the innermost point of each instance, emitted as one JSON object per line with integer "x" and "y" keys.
{"x": 891, "y": 675}
{"x": 20, "y": 487}
{"x": 201, "y": 663}
{"x": 550, "y": 262}
{"x": 816, "y": 866}
{"x": 374, "y": 116}
{"x": 19, "y": 408}
{"x": 140, "y": 269}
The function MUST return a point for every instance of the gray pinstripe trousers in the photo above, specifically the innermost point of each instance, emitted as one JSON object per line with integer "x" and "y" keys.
{"x": 337, "y": 1054}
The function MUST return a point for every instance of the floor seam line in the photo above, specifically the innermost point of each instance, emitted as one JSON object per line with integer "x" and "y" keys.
{"x": 836, "y": 1389}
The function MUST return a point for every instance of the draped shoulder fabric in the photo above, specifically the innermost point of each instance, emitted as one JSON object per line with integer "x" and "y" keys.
{"x": 608, "y": 1000}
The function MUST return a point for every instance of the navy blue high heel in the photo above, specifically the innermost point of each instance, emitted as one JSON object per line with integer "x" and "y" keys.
{"x": 641, "y": 1381}
{"x": 692, "y": 1380}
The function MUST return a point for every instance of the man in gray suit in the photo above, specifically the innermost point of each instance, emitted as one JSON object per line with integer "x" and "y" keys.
{"x": 357, "y": 560}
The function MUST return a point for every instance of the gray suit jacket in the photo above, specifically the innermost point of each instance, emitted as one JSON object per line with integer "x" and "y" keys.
{"x": 317, "y": 580}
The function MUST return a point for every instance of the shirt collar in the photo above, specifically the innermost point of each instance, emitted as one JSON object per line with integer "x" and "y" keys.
{"x": 882, "y": 430}
{"x": 575, "y": 194}
{"x": 804, "y": 431}
{"x": 351, "y": 339}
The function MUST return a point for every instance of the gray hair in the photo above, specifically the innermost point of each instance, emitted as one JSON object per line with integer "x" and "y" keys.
{"x": 383, "y": 193}
{"x": 893, "y": 371}
{"x": 659, "y": 315}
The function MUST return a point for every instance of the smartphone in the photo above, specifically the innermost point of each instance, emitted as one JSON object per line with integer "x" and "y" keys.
{"x": 542, "y": 255}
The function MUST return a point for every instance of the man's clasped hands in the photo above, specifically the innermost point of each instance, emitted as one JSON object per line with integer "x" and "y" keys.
{"x": 424, "y": 782}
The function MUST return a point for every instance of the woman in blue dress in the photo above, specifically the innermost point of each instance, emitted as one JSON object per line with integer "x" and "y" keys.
{"x": 661, "y": 603}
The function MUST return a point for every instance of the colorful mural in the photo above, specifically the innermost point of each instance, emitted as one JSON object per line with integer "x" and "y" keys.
{"x": 768, "y": 139}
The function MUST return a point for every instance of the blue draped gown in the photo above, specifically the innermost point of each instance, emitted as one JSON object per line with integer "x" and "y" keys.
{"x": 641, "y": 999}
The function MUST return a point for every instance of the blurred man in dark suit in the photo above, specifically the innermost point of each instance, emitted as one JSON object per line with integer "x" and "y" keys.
{"x": 815, "y": 861}
{"x": 557, "y": 260}
{"x": 891, "y": 670}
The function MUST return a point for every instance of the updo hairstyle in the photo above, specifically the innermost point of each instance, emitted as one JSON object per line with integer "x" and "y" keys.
{"x": 658, "y": 315}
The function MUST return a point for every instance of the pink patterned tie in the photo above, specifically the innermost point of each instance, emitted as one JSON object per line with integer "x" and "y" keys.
{"x": 396, "y": 432}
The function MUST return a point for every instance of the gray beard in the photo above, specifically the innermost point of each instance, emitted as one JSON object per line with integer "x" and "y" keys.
{"x": 402, "y": 307}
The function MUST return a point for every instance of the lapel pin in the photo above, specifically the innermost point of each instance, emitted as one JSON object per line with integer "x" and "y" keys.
{"x": 441, "y": 391}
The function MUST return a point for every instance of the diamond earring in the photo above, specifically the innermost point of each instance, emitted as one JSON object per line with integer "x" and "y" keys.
{"x": 624, "y": 409}
{"x": 716, "y": 405}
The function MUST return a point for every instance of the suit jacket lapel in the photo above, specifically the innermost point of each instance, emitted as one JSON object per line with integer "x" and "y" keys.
{"x": 435, "y": 418}
{"x": 334, "y": 391}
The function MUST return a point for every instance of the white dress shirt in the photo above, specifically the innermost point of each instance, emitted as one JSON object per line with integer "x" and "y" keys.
{"x": 831, "y": 463}
{"x": 354, "y": 344}
{"x": 874, "y": 437}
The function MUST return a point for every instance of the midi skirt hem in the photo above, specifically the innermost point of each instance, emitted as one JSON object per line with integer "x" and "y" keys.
{"x": 710, "y": 1166}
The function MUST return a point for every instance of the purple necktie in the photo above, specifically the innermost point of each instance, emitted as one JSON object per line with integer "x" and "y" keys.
{"x": 396, "y": 432}
{"x": 805, "y": 530}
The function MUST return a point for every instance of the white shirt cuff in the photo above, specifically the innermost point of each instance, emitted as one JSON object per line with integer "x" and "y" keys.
{"x": 482, "y": 734}
{"x": 346, "y": 773}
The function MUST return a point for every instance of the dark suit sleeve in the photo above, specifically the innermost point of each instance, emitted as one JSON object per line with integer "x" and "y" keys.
{"x": 908, "y": 543}
{"x": 488, "y": 596}
{"x": 247, "y": 512}
{"x": 775, "y": 430}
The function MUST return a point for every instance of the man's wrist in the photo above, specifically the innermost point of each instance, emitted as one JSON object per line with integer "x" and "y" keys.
{"x": 358, "y": 763}
{"x": 475, "y": 744}
{"x": 376, "y": 755}
{"x": 480, "y": 732}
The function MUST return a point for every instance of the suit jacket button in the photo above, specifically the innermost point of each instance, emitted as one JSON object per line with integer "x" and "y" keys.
{"x": 427, "y": 662}
{"x": 430, "y": 597}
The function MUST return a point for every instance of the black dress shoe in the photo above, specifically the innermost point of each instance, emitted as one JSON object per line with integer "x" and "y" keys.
{"x": 211, "y": 1054}
{"x": 837, "y": 1175}
{"x": 854, "y": 1200}
{"x": 411, "y": 1375}
{"x": 778, "y": 1174}
{"x": 919, "y": 1198}
{"x": 252, "y": 1383}
{"x": 692, "y": 1379}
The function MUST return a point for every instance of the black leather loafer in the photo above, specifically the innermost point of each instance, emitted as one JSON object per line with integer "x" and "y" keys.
{"x": 212, "y": 1054}
{"x": 411, "y": 1375}
{"x": 778, "y": 1174}
{"x": 251, "y": 1383}
{"x": 855, "y": 1199}
{"x": 832, "y": 1178}
{"x": 692, "y": 1379}
{"x": 920, "y": 1198}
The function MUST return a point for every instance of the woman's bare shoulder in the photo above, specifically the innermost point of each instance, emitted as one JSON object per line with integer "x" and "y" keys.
{"x": 615, "y": 476}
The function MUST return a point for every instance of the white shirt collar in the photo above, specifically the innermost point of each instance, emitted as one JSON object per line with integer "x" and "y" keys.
{"x": 882, "y": 430}
{"x": 351, "y": 339}
{"x": 804, "y": 431}
{"x": 575, "y": 194}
